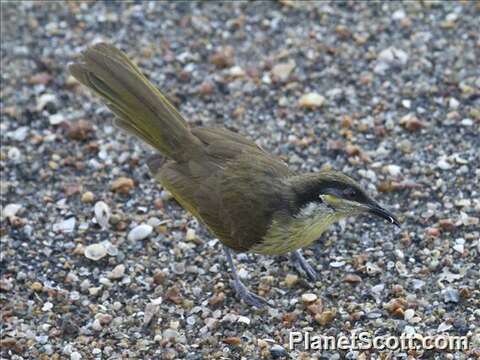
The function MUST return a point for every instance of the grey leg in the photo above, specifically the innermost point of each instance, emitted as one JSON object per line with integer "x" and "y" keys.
{"x": 302, "y": 266}
{"x": 240, "y": 289}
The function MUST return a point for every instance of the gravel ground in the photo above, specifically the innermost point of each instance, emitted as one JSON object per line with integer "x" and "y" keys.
{"x": 388, "y": 93}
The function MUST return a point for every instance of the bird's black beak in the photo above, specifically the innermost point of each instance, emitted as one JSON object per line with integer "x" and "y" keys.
{"x": 383, "y": 213}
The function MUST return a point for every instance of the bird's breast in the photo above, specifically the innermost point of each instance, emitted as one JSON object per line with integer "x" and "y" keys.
{"x": 287, "y": 234}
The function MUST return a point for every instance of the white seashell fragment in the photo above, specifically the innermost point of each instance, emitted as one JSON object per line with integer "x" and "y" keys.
{"x": 102, "y": 214}
{"x": 140, "y": 232}
{"x": 95, "y": 251}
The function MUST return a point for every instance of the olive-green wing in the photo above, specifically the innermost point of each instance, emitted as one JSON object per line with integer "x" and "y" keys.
{"x": 234, "y": 187}
{"x": 253, "y": 191}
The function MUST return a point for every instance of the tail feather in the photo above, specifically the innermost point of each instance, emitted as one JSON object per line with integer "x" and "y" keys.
{"x": 140, "y": 107}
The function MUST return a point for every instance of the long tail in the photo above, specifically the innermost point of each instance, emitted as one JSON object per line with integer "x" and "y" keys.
{"x": 140, "y": 107}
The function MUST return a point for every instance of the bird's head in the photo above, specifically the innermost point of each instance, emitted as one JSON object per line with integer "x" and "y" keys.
{"x": 339, "y": 192}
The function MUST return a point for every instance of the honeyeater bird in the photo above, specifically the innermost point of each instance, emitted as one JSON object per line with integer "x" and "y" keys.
{"x": 250, "y": 200}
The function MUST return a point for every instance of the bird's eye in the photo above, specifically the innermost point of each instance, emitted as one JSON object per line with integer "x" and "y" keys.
{"x": 349, "y": 193}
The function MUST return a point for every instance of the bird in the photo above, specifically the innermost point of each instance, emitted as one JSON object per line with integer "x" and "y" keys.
{"x": 249, "y": 199}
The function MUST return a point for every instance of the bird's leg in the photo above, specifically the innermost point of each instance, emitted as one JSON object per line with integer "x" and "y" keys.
{"x": 240, "y": 289}
{"x": 302, "y": 266}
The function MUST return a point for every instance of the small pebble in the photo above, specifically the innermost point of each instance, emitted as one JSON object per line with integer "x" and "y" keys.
{"x": 451, "y": 295}
{"x": 122, "y": 185}
{"x": 311, "y": 101}
{"x": 87, "y": 197}
{"x": 190, "y": 235}
{"x": 65, "y": 226}
{"x": 102, "y": 214}
{"x": 308, "y": 298}
{"x": 291, "y": 280}
{"x": 278, "y": 352}
{"x": 140, "y": 232}
{"x": 117, "y": 272}
{"x": 95, "y": 252}
{"x": 11, "y": 210}
{"x": 282, "y": 71}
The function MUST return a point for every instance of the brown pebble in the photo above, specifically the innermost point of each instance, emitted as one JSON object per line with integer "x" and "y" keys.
{"x": 288, "y": 319}
{"x": 347, "y": 122}
{"x": 238, "y": 112}
{"x": 87, "y": 197}
{"x": 394, "y": 304}
{"x": 397, "y": 289}
{"x": 159, "y": 277}
{"x": 411, "y": 123}
{"x": 223, "y": 57}
{"x": 206, "y": 88}
{"x": 357, "y": 315}
{"x": 325, "y": 317}
{"x": 316, "y": 308}
{"x": 232, "y": 340}
{"x": 80, "y": 130}
{"x": 173, "y": 294}
{"x": 386, "y": 186}
{"x": 446, "y": 224}
{"x": 122, "y": 185}
{"x": 36, "y": 286}
{"x": 352, "y": 279}
{"x": 41, "y": 78}
{"x": 11, "y": 344}
{"x": 217, "y": 299}
{"x": 291, "y": 280}
{"x": 398, "y": 313}
{"x": 432, "y": 232}
{"x": 72, "y": 189}
{"x": 465, "y": 292}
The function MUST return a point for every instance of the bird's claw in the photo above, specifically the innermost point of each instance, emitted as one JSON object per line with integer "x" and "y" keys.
{"x": 247, "y": 296}
{"x": 302, "y": 266}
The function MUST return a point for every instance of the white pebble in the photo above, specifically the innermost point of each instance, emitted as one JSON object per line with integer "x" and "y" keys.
{"x": 443, "y": 164}
{"x": 102, "y": 214}
{"x": 19, "y": 134}
{"x": 14, "y": 154}
{"x": 47, "y": 306}
{"x": 95, "y": 251}
{"x": 311, "y": 100}
{"x": 409, "y": 314}
{"x": 399, "y": 15}
{"x": 243, "y": 319}
{"x": 140, "y": 232}
{"x": 453, "y": 103}
{"x": 236, "y": 71}
{"x": 282, "y": 71}
{"x": 56, "y": 119}
{"x": 65, "y": 226}
{"x": 406, "y": 103}
{"x": 11, "y": 210}
{"x": 190, "y": 235}
{"x": 44, "y": 99}
{"x": 154, "y": 222}
{"x": 75, "y": 356}
{"x": 393, "y": 55}
{"x": 117, "y": 272}
{"x": 96, "y": 325}
{"x": 309, "y": 298}
{"x": 394, "y": 170}
{"x": 243, "y": 274}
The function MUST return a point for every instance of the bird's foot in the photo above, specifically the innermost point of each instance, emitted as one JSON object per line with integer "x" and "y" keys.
{"x": 302, "y": 266}
{"x": 247, "y": 296}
